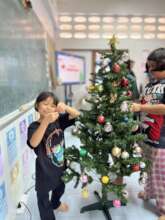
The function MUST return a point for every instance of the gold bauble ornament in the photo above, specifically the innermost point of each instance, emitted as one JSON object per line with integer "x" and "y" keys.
{"x": 91, "y": 88}
{"x": 85, "y": 193}
{"x": 116, "y": 151}
{"x": 105, "y": 179}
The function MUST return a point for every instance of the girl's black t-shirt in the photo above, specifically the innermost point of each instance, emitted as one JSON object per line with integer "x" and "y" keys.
{"x": 50, "y": 153}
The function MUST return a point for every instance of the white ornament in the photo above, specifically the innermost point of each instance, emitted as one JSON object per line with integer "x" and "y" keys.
{"x": 138, "y": 150}
{"x": 108, "y": 127}
{"x": 142, "y": 165}
{"x": 125, "y": 155}
{"x": 125, "y": 56}
{"x": 108, "y": 69}
{"x": 110, "y": 160}
{"x": 124, "y": 107}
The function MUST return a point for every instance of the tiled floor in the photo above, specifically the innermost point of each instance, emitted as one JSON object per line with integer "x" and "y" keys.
{"x": 135, "y": 209}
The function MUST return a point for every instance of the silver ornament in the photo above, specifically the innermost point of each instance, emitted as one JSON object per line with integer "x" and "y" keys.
{"x": 142, "y": 165}
{"x": 108, "y": 127}
{"x": 124, "y": 106}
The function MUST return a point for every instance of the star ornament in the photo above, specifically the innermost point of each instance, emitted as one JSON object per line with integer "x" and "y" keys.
{"x": 113, "y": 41}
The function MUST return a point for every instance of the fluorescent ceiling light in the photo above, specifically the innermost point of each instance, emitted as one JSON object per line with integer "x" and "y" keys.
{"x": 150, "y": 20}
{"x": 108, "y": 19}
{"x": 136, "y": 20}
{"x": 65, "y": 27}
{"x": 94, "y": 27}
{"x": 149, "y": 28}
{"x": 80, "y": 19}
{"x": 123, "y": 20}
{"x": 65, "y": 18}
{"x": 80, "y": 27}
{"x": 94, "y": 19}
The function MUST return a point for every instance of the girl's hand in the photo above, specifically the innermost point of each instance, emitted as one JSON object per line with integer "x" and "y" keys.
{"x": 61, "y": 107}
{"x": 135, "y": 107}
{"x": 51, "y": 117}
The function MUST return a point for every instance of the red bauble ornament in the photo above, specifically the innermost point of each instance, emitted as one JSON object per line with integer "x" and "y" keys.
{"x": 129, "y": 93}
{"x": 101, "y": 119}
{"x": 124, "y": 82}
{"x": 135, "y": 167}
{"x": 116, "y": 68}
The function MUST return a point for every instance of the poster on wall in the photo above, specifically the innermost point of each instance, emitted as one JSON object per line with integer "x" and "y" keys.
{"x": 25, "y": 163}
{"x": 1, "y": 163}
{"x": 15, "y": 179}
{"x": 3, "y": 202}
{"x": 23, "y": 132}
{"x": 11, "y": 144}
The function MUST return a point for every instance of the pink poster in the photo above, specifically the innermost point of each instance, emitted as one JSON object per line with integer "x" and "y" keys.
{"x": 23, "y": 132}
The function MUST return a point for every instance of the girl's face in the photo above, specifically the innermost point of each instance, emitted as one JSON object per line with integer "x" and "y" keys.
{"x": 46, "y": 106}
{"x": 155, "y": 74}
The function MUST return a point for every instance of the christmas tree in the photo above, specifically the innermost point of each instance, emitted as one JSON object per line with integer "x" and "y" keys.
{"x": 109, "y": 145}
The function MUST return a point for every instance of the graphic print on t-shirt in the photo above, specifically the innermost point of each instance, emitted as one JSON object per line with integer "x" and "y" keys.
{"x": 55, "y": 148}
{"x": 153, "y": 123}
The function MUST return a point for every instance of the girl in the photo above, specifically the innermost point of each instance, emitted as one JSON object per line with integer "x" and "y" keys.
{"x": 154, "y": 126}
{"x": 46, "y": 137}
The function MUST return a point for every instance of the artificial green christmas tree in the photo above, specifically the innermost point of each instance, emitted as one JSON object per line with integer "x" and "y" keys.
{"x": 109, "y": 146}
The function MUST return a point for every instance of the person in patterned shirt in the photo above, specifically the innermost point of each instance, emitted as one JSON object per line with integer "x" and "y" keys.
{"x": 153, "y": 125}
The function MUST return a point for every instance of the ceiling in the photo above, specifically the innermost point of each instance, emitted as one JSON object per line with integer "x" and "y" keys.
{"x": 93, "y": 19}
{"x": 124, "y": 7}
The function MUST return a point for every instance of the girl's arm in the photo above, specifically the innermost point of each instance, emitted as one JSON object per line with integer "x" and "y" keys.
{"x": 73, "y": 113}
{"x": 158, "y": 109}
{"x": 39, "y": 133}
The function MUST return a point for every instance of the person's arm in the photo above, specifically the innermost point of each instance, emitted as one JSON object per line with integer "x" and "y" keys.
{"x": 39, "y": 133}
{"x": 73, "y": 113}
{"x": 158, "y": 109}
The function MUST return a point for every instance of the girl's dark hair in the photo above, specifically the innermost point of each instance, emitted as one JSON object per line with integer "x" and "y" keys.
{"x": 158, "y": 56}
{"x": 43, "y": 96}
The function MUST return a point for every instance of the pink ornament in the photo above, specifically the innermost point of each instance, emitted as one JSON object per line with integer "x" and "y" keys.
{"x": 84, "y": 178}
{"x": 116, "y": 203}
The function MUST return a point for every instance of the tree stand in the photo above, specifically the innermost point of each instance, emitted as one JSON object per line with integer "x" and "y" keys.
{"x": 100, "y": 205}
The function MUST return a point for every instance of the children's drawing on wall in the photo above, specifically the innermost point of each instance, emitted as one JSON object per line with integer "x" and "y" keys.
{"x": 11, "y": 144}
{"x": 3, "y": 202}
{"x": 15, "y": 181}
{"x": 25, "y": 162}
